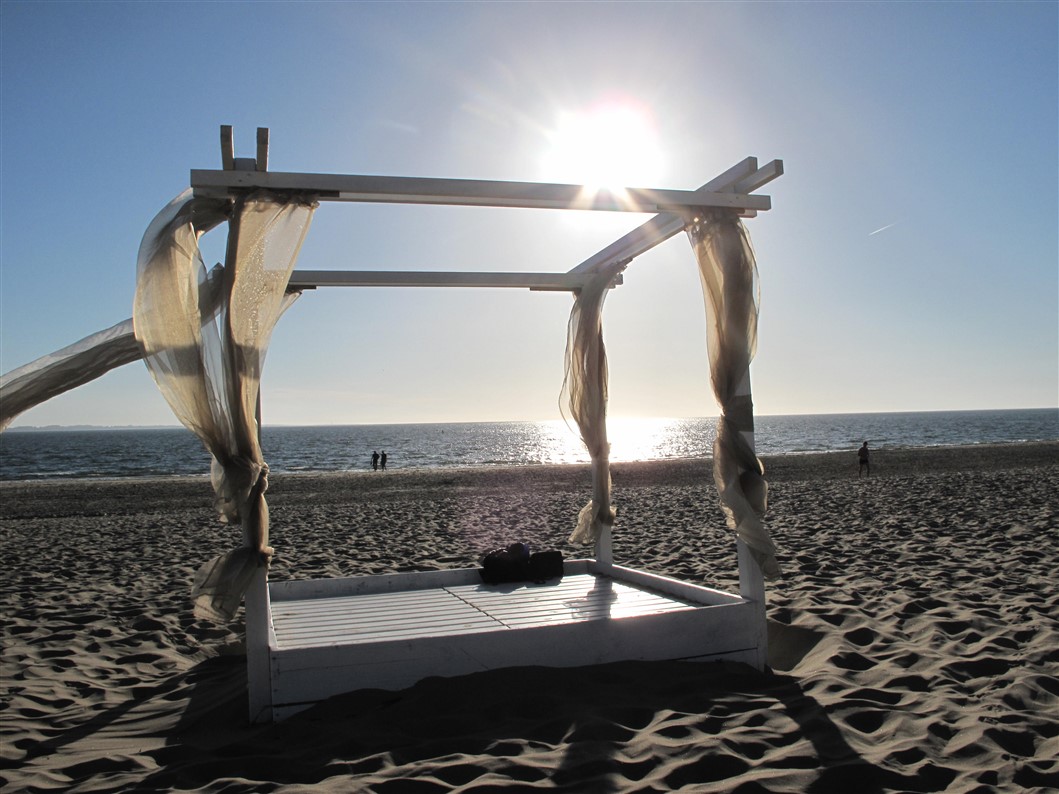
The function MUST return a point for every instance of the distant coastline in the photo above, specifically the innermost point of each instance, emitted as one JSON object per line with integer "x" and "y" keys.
{"x": 80, "y": 427}
{"x": 94, "y": 452}
{"x": 77, "y": 428}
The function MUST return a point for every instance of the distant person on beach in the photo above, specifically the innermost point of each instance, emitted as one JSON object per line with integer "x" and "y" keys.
{"x": 383, "y": 459}
{"x": 862, "y": 454}
{"x": 375, "y": 461}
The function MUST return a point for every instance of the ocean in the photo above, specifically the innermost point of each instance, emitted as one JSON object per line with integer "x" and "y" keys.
{"x": 94, "y": 453}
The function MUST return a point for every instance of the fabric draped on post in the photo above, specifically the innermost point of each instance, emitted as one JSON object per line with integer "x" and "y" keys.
{"x": 73, "y": 366}
{"x": 728, "y": 272}
{"x": 585, "y": 394}
{"x": 204, "y": 337}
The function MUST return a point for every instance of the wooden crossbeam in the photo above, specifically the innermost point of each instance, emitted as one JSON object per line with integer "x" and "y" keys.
{"x": 761, "y": 177}
{"x": 310, "y": 279}
{"x": 744, "y": 175}
{"x": 732, "y": 190}
{"x": 467, "y": 192}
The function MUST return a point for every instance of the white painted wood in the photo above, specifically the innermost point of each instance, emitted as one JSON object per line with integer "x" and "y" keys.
{"x": 752, "y": 589}
{"x": 283, "y": 711}
{"x": 467, "y": 192}
{"x": 461, "y": 609}
{"x": 260, "y": 639}
{"x": 706, "y": 596}
{"x": 759, "y": 178}
{"x": 347, "y": 621}
{"x": 227, "y": 147}
{"x": 311, "y": 639}
{"x": 605, "y": 547}
{"x": 294, "y": 589}
{"x": 333, "y": 636}
{"x": 310, "y": 279}
{"x": 660, "y": 228}
{"x": 261, "y": 163}
{"x": 306, "y": 675}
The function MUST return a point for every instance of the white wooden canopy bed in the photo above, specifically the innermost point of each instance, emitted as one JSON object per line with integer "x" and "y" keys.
{"x": 204, "y": 334}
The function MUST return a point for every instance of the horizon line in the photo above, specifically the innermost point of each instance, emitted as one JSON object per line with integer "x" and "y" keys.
{"x": 50, "y": 427}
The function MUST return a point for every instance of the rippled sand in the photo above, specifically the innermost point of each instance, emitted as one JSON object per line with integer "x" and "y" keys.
{"x": 915, "y": 636}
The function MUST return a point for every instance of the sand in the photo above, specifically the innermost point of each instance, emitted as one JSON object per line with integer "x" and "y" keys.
{"x": 915, "y": 636}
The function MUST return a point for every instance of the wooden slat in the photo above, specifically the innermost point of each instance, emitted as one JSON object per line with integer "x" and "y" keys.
{"x": 461, "y": 609}
{"x": 441, "y": 615}
{"x": 409, "y": 635}
{"x": 411, "y": 599}
{"x": 404, "y": 632}
{"x": 307, "y": 589}
{"x": 576, "y": 599}
{"x": 371, "y": 618}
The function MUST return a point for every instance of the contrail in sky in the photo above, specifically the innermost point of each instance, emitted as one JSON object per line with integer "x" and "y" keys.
{"x": 883, "y": 229}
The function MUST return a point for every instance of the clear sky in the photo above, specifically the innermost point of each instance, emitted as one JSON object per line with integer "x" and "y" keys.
{"x": 910, "y": 262}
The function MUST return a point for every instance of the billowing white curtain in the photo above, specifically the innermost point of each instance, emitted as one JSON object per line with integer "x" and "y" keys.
{"x": 73, "y": 366}
{"x": 728, "y": 272}
{"x": 585, "y": 395}
{"x": 205, "y": 336}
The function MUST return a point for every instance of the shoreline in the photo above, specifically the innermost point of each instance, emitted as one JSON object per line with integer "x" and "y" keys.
{"x": 881, "y": 457}
{"x": 915, "y": 630}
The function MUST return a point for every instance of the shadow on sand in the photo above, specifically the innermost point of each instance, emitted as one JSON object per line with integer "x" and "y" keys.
{"x": 650, "y": 726}
{"x": 702, "y": 723}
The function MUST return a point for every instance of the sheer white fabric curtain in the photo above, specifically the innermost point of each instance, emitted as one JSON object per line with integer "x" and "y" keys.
{"x": 585, "y": 396}
{"x": 728, "y": 272}
{"x": 73, "y": 366}
{"x": 205, "y": 336}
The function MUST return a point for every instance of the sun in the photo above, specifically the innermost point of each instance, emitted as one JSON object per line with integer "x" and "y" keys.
{"x": 608, "y": 146}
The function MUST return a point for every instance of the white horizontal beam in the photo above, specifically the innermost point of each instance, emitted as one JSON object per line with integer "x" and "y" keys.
{"x": 642, "y": 239}
{"x": 468, "y": 192}
{"x": 310, "y": 279}
{"x": 759, "y": 178}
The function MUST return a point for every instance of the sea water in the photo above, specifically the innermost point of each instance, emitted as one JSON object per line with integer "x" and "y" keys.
{"x": 38, "y": 454}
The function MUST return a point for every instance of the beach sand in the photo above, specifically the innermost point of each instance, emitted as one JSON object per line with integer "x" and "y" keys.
{"x": 914, "y": 635}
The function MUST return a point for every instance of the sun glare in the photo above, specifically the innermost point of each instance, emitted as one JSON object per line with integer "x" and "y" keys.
{"x": 606, "y": 147}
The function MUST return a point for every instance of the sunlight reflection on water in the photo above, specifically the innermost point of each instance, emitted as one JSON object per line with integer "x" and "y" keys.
{"x": 154, "y": 452}
{"x": 630, "y": 439}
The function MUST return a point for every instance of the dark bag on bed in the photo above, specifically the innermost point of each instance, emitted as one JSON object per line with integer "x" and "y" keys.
{"x": 516, "y": 564}
{"x": 510, "y": 564}
{"x": 545, "y": 565}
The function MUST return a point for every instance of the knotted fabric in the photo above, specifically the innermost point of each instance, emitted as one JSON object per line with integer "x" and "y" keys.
{"x": 585, "y": 395}
{"x": 204, "y": 337}
{"x": 728, "y": 273}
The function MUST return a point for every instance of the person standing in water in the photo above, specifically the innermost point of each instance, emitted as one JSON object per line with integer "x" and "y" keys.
{"x": 382, "y": 460}
{"x": 375, "y": 461}
{"x": 862, "y": 455}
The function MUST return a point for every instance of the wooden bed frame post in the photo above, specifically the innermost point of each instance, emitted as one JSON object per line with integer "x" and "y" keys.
{"x": 604, "y": 548}
{"x": 752, "y": 588}
{"x": 258, "y": 659}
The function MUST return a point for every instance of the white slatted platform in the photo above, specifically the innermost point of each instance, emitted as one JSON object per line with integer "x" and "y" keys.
{"x": 462, "y": 609}
{"x": 328, "y": 636}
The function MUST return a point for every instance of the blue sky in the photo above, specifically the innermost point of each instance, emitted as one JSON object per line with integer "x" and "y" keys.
{"x": 910, "y": 262}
